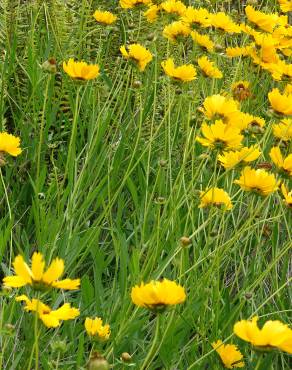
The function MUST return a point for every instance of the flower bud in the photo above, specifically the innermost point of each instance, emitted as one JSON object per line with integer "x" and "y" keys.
{"x": 97, "y": 362}
{"x": 185, "y": 241}
{"x": 50, "y": 65}
{"x": 126, "y": 357}
{"x": 137, "y": 84}
{"x": 59, "y": 346}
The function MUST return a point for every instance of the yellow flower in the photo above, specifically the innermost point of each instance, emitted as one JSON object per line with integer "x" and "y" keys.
{"x": 273, "y": 334}
{"x": 157, "y": 295}
{"x": 173, "y": 6}
{"x": 240, "y": 90}
{"x": 246, "y": 121}
{"x": 284, "y": 164}
{"x": 9, "y": 144}
{"x": 81, "y": 70}
{"x": 129, "y": 4}
{"x": 215, "y": 197}
{"x": 287, "y": 196}
{"x": 259, "y": 181}
{"x": 238, "y": 51}
{"x": 37, "y": 277}
{"x": 51, "y": 318}
{"x": 152, "y": 13}
{"x": 140, "y": 55}
{"x": 95, "y": 328}
{"x": 288, "y": 89}
{"x": 233, "y": 158}
{"x": 283, "y": 130}
{"x": 267, "y": 22}
{"x": 220, "y": 135}
{"x": 208, "y": 68}
{"x": 184, "y": 73}
{"x": 199, "y": 16}
{"x": 285, "y": 5}
{"x": 281, "y": 103}
{"x": 223, "y": 22}
{"x": 215, "y": 106}
{"x": 203, "y": 40}
{"x": 104, "y": 17}
{"x": 175, "y": 30}
{"x": 229, "y": 354}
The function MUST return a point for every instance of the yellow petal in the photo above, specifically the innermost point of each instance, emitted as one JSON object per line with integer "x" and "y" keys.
{"x": 54, "y": 271}
{"x": 22, "y": 270}
{"x": 67, "y": 284}
{"x": 37, "y": 266}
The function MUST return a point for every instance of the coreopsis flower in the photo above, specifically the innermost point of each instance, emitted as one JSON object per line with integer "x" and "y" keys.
{"x": 285, "y": 5}
{"x": 259, "y": 181}
{"x": 50, "y": 318}
{"x": 152, "y": 13}
{"x": 203, "y": 40}
{"x": 37, "y": 277}
{"x": 229, "y": 354}
{"x": 215, "y": 197}
{"x": 267, "y": 22}
{"x": 218, "y": 106}
{"x": 274, "y": 334}
{"x": 239, "y": 51}
{"x": 246, "y": 121}
{"x": 281, "y": 103}
{"x": 96, "y": 329}
{"x": 137, "y": 53}
{"x": 184, "y": 73}
{"x": 287, "y": 196}
{"x": 233, "y": 158}
{"x": 268, "y": 48}
{"x": 223, "y": 22}
{"x": 288, "y": 89}
{"x": 81, "y": 70}
{"x": 104, "y": 17}
{"x": 208, "y": 68}
{"x": 175, "y": 30}
{"x": 129, "y": 4}
{"x": 284, "y": 164}
{"x": 283, "y": 129}
{"x": 197, "y": 16}
{"x": 9, "y": 144}
{"x": 240, "y": 90}
{"x": 220, "y": 135}
{"x": 173, "y": 7}
{"x": 157, "y": 295}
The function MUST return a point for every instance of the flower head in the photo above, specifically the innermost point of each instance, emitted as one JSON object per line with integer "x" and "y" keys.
{"x": 284, "y": 164}
{"x": 233, "y": 158}
{"x": 175, "y": 30}
{"x": 104, "y": 17}
{"x": 273, "y": 334}
{"x": 208, "y": 68}
{"x": 50, "y": 318}
{"x": 203, "y": 40}
{"x": 157, "y": 295}
{"x": 199, "y": 16}
{"x": 285, "y": 5}
{"x": 81, "y": 70}
{"x": 229, "y": 354}
{"x": 9, "y": 144}
{"x": 215, "y": 197}
{"x": 267, "y": 22}
{"x": 184, "y": 73}
{"x": 152, "y": 13}
{"x": 129, "y": 4}
{"x": 37, "y": 277}
{"x": 95, "y": 328}
{"x": 240, "y": 90}
{"x": 281, "y": 103}
{"x": 258, "y": 180}
{"x": 220, "y": 135}
{"x": 287, "y": 196}
{"x": 283, "y": 129}
{"x": 223, "y": 22}
{"x": 218, "y": 106}
{"x": 140, "y": 55}
{"x": 173, "y": 7}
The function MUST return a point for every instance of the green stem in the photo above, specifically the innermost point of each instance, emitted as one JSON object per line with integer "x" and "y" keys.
{"x": 10, "y": 215}
{"x": 36, "y": 340}
{"x": 42, "y": 134}
{"x": 153, "y": 348}
{"x": 259, "y": 362}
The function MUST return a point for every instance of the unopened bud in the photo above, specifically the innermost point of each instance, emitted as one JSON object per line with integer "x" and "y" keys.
{"x": 59, "y": 346}
{"x": 97, "y": 362}
{"x": 251, "y": 2}
{"x": 50, "y": 65}
{"x": 151, "y": 36}
{"x": 248, "y": 295}
{"x": 219, "y": 47}
{"x": 9, "y": 327}
{"x": 185, "y": 241}
{"x": 162, "y": 163}
{"x": 126, "y": 357}
{"x": 137, "y": 84}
